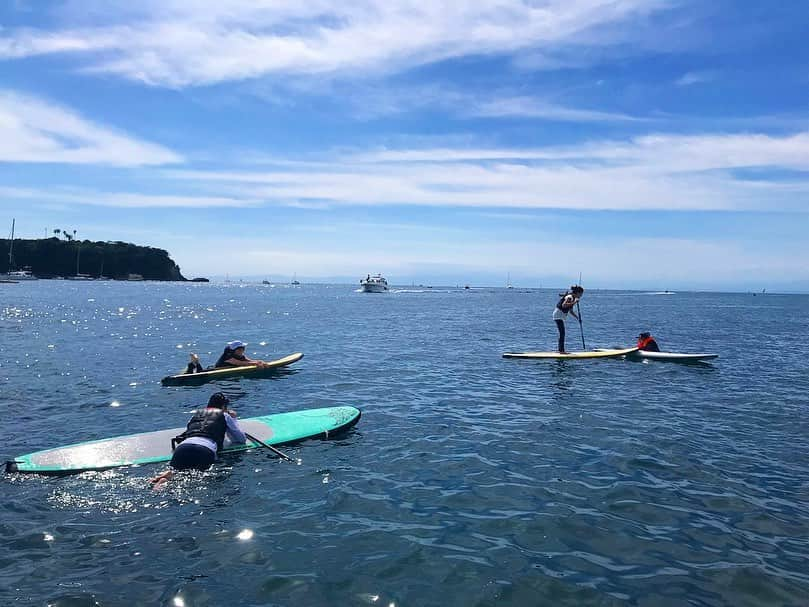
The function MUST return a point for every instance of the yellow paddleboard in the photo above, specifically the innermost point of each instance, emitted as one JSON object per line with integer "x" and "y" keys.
{"x": 571, "y": 355}
{"x": 226, "y": 372}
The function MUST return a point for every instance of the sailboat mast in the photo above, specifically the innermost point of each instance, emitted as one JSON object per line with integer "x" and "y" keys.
{"x": 11, "y": 248}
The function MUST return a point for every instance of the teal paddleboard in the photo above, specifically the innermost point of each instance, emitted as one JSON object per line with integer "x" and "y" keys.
{"x": 151, "y": 447}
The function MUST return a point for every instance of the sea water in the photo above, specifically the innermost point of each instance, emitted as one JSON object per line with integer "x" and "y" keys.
{"x": 469, "y": 480}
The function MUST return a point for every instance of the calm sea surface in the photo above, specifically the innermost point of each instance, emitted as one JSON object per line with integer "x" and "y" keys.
{"x": 470, "y": 480}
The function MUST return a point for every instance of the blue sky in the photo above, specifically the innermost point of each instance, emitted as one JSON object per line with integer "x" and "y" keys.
{"x": 645, "y": 144}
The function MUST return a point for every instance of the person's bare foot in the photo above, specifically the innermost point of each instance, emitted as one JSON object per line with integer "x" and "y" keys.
{"x": 160, "y": 480}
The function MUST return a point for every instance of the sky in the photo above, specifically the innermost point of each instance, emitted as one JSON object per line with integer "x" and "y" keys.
{"x": 651, "y": 144}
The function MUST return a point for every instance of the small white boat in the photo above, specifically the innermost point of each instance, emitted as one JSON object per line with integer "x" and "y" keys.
{"x": 374, "y": 284}
{"x": 18, "y": 275}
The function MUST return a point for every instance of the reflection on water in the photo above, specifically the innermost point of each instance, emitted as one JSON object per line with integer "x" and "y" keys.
{"x": 470, "y": 480}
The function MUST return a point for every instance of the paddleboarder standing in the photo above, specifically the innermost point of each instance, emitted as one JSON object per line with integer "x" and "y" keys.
{"x": 567, "y": 301}
{"x": 203, "y": 438}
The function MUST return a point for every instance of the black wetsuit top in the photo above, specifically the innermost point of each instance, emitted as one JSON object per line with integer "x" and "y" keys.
{"x": 227, "y": 355}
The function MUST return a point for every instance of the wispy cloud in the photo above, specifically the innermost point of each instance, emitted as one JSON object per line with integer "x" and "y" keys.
{"x": 655, "y": 172}
{"x": 690, "y": 78}
{"x": 656, "y": 152}
{"x": 652, "y": 172}
{"x": 75, "y": 196}
{"x": 179, "y": 43}
{"x": 33, "y": 130}
{"x": 529, "y": 107}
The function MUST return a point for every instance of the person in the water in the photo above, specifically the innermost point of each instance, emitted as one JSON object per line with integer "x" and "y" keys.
{"x": 647, "y": 343}
{"x": 204, "y": 438}
{"x": 564, "y": 306}
{"x": 194, "y": 365}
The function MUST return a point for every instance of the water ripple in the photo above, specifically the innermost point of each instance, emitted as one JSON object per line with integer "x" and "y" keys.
{"x": 471, "y": 480}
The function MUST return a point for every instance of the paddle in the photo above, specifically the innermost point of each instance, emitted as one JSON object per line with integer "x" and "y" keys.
{"x": 581, "y": 327}
{"x": 270, "y": 447}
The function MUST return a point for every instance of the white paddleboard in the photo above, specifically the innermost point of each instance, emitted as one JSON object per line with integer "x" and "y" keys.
{"x": 667, "y": 356}
{"x": 673, "y": 356}
{"x": 571, "y": 355}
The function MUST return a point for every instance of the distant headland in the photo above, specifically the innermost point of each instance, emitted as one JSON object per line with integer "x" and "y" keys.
{"x": 55, "y": 258}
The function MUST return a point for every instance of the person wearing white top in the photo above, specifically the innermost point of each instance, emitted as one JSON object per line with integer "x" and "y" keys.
{"x": 567, "y": 301}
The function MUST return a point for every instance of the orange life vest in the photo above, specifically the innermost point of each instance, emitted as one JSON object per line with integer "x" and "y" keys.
{"x": 642, "y": 343}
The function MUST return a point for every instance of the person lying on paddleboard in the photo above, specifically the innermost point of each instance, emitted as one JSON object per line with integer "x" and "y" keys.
{"x": 233, "y": 356}
{"x": 203, "y": 438}
{"x": 647, "y": 342}
{"x": 565, "y": 306}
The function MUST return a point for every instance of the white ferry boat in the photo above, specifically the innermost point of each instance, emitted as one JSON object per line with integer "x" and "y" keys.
{"x": 374, "y": 284}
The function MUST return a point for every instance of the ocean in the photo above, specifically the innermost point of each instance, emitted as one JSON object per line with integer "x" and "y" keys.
{"x": 471, "y": 480}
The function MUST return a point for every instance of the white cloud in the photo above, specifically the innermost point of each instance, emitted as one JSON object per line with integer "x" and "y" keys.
{"x": 690, "y": 78}
{"x": 33, "y": 130}
{"x": 655, "y": 172}
{"x": 529, "y": 107}
{"x": 180, "y": 43}
{"x": 122, "y": 199}
{"x": 664, "y": 152}
{"x": 734, "y": 172}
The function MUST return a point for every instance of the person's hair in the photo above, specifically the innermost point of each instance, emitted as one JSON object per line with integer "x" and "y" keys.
{"x": 576, "y": 289}
{"x": 218, "y": 401}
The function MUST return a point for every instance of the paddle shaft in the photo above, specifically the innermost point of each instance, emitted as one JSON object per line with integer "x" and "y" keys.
{"x": 581, "y": 326}
{"x": 280, "y": 454}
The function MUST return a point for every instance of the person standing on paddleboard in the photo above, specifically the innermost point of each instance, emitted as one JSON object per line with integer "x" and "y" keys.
{"x": 567, "y": 301}
{"x": 203, "y": 438}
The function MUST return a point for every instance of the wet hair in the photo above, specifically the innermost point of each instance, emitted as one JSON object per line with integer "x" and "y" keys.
{"x": 577, "y": 289}
{"x": 644, "y": 335}
{"x": 218, "y": 401}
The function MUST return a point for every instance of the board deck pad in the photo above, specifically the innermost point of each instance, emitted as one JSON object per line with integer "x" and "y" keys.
{"x": 571, "y": 355}
{"x": 150, "y": 447}
{"x": 225, "y": 372}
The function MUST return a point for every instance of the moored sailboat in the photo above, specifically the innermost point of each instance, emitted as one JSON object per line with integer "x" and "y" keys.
{"x": 13, "y": 275}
